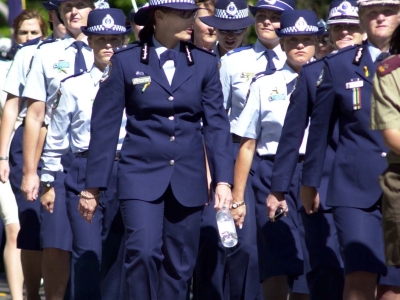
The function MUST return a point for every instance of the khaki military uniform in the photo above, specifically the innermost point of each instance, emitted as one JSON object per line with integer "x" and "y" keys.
{"x": 385, "y": 114}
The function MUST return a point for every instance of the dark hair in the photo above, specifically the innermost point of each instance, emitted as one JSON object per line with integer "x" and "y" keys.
{"x": 148, "y": 29}
{"x": 208, "y": 4}
{"x": 394, "y": 44}
{"x": 28, "y": 14}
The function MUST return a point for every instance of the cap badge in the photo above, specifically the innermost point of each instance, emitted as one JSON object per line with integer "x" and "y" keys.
{"x": 108, "y": 22}
{"x": 301, "y": 24}
{"x": 344, "y": 8}
{"x": 101, "y": 4}
{"x": 272, "y": 2}
{"x": 231, "y": 9}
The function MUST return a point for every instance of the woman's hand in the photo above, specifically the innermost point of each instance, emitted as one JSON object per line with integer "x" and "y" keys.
{"x": 274, "y": 201}
{"x": 88, "y": 203}
{"x": 223, "y": 196}
{"x": 48, "y": 198}
{"x": 240, "y": 212}
{"x": 4, "y": 170}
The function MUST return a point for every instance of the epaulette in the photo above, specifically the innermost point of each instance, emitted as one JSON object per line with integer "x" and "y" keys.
{"x": 389, "y": 64}
{"x": 239, "y": 49}
{"x": 345, "y": 49}
{"x": 72, "y": 76}
{"x": 29, "y": 43}
{"x": 48, "y": 41}
{"x": 193, "y": 46}
{"x": 126, "y": 47}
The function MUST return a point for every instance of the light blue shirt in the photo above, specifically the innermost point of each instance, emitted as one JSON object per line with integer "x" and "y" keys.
{"x": 264, "y": 113}
{"x": 16, "y": 77}
{"x": 373, "y": 51}
{"x": 169, "y": 66}
{"x": 238, "y": 67}
{"x": 69, "y": 127}
{"x": 53, "y": 62}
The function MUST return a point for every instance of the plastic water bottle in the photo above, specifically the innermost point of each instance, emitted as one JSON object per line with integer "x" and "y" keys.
{"x": 226, "y": 228}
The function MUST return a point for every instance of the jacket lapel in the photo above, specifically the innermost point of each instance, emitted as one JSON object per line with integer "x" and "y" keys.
{"x": 182, "y": 70}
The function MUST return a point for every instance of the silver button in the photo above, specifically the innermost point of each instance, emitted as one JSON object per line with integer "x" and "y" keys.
{"x": 170, "y": 98}
{"x": 383, "y": 154}
{"x": 171, "y": 162}
{"x": 172, "y": 138}
{"x": 171, "y": 118}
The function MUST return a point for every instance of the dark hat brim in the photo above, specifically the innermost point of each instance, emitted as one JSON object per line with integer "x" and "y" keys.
{"x": 227, "y": 24}
{"x": 49, "y": 5}
{"x": 317, "y": 33}
{"x": 142, "y": 15}
{"x": 255, "y": 9}
{"x": 105, "y": 32}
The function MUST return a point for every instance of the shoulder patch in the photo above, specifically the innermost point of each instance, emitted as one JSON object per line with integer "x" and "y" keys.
{"x": 389, "y": 65}
{"x": 237, "y": 50}
{"x": 48, "y": 41}
{"x": 72, "y": 76}
{"x": 107, "y": 72}
{"x": 337, "y": 52}
{"x": 29, "y": 43}
{"x": 321, "y": 77}
{"x": 126, "y": 47}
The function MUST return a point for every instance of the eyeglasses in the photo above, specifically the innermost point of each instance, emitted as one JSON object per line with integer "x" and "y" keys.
{"x": 184, "y": 14}
{"x": 237, "y": 31}
{"x": 323, "y": 39}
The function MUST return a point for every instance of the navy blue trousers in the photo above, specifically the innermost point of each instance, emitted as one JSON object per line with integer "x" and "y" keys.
{"x": 161, "y": 247}
{"x": 90, "y": 271}
{"x": 228, "y": 273}
{"x": 28, "y": 212}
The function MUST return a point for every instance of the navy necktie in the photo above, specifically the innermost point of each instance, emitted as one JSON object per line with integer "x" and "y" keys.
{"x": 381, "y": 58}
{"x": 270, "y": 54}
{"x": 168, "y": 55}
{"x": 80, "y": 64}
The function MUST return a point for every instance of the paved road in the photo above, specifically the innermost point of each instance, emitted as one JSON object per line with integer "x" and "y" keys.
{"x": 5, "y": 292}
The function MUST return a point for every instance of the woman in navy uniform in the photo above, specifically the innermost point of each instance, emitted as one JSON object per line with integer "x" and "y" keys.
{"x": 69, "y": 130}
{"x": 325, "y": 273}
{"x": 168, "y": 87}
{"x": 344, "y": 96}
{"x": 280, "y": 247}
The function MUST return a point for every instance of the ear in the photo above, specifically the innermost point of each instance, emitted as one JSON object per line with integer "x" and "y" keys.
{"x": 159, "y": 16}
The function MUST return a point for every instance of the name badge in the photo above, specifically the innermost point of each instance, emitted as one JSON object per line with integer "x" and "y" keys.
{"x": 247, "y": 75}
{"x": 354, "y": 84}
{"x": 141, "y": 80}
{"x": 63, "y": 64}
{"x": 275, "y": 97}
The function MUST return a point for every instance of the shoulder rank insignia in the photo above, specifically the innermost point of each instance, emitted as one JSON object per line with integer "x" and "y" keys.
{"x": 358, "y": 56}
{"x": 29, "y": 43}
{"x": 321, "y": 76}
{"x": 389, "y": 65}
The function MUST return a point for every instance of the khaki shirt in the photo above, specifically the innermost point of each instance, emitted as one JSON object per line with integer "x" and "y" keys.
{"x": 385, "y": 108}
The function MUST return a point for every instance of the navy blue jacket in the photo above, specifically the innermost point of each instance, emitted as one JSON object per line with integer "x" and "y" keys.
{"x": 164, "y": 142}
{"x": 360, "y": 153}
{"x": 296, "y": 122}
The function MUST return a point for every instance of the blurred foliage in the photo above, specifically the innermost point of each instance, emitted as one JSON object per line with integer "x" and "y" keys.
{"x": 319, "y": 6}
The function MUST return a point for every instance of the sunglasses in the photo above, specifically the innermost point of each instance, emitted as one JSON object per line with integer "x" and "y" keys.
{"x": 323, "y": 39}
{"x": 184, "y": 14}
{"x": 237, "y": 31}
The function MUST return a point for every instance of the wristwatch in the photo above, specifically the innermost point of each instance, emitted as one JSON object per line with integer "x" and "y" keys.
{"x": 236, "y": 205}
{"x": 47, "y": 184}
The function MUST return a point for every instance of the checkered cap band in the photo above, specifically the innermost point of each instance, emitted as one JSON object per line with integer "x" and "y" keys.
{"x": 161, "y": 2}
{"x": 240, "y": 14}
{"x": 377, "y": 2}
{"x": 293, "y": 29}
{"x": 98, "y": 28}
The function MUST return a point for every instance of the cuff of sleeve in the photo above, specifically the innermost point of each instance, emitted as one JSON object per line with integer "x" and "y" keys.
{"x": 47, "y": 176}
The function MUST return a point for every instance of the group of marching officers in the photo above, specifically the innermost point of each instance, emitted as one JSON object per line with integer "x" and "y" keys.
{"x": 126, "y": 151}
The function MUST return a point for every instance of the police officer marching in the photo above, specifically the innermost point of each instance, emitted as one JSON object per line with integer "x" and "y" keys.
{"x": 168, "y": 86}
{"x": 344, "y": 96}
{"x": 280, "y": 243}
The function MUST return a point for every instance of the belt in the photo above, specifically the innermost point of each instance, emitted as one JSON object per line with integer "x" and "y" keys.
{"x": 272, "y": 158}
{"x": 236, "y": 139}
{"x": 84, "y": 154}
{"x": 23, "y": 123}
